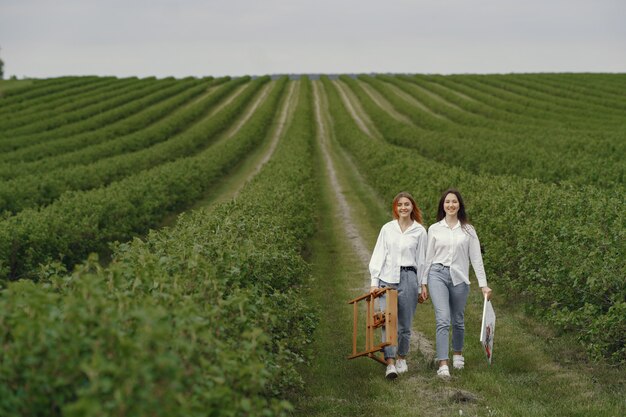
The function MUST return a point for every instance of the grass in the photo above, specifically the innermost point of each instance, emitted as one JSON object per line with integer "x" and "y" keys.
{"x": 526, "y": 377}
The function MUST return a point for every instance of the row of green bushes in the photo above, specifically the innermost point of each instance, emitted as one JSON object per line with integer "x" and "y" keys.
{"x": 86, "y": 96}
{"x": 47, "y": 90}
{"x": 204, "y": 319}
{"x": 490, "y": 108}
{"x": 191, "y": 131}
{"x": 561, "y": 92}
{"x": 518, "y": 96}
{"x": 82, "y": 222}
{"x": 493, "y": 101}
{"x": 582, "y": 136}
{"x": 558, "y": 248}
{"x": 547, "y": 155}
{"x": 82, "y": 119}
{"x": 62, "y": 100}
{"x": 602, "y": 84}
{"x": 168, "y": 100}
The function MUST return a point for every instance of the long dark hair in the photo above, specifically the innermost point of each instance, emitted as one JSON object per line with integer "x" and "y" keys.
{"x": 416, "y": 214}
{"x": 461, "y": 214}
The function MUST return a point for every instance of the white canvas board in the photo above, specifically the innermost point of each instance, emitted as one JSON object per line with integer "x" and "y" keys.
{"x": 487, "y": 329}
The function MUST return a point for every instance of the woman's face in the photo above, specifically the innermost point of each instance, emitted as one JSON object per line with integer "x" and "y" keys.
{"x": 451, "y": 205}
{"x": 404, "y": 207}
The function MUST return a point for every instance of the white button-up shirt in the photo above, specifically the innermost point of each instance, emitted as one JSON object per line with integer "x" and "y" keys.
{"x": 395, "y": 249}
{"x": 455, "y": 247}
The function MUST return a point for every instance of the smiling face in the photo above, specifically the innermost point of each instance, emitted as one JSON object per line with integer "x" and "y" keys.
{"x": 451, "y": 205}
{"x": 404, "y": 208}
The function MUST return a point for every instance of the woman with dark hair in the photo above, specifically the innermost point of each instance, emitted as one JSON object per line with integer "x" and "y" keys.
{"x": 452, "y": 245}
{"x": 398, "y": 262}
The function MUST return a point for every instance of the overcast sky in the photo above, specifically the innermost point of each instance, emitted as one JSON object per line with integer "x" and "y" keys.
{"x": 47, "y": 38}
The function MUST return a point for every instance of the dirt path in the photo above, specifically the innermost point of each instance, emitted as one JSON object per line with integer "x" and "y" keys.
{"x": 455, "y": 92}
{"x": 419, "y": 341}
{"x": 358, "y": 114}
{"x": 249, "y": 111}
{"x": 229, "y": 99}
{"x": 210, "y": 89}
{"x": 435, "y": 96}
{"x": 229, "y": 185}
{"x": 286, "y": 114}
{"x": 383, "y": 103}
{"x": 414, "y": 101}
{"x": 365, "y": 124}
{"x": 343, "y": 212}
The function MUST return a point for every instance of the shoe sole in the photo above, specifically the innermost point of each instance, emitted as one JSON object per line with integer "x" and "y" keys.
{"x": 391, "y": 376}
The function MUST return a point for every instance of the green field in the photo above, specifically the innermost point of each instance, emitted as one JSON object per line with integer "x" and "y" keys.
{"x": 187, "y": 246}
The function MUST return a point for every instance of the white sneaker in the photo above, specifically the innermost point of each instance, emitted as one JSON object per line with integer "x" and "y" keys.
{"x": 391, "y": 372}
{"x": 443, "y": 372}
{"x": 458, "y": 361}
{"x": 401, "y": 366}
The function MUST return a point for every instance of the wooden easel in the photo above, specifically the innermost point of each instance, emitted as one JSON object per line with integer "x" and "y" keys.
{"x": 375, "y": 319}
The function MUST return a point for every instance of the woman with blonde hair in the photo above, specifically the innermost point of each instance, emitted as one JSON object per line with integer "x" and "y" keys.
{"x": 398, "y": 262}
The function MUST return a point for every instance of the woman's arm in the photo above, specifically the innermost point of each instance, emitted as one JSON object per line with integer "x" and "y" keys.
{"x": 476, "y": 259}
{"x": 428, "y": 257}
{"x": 378, "y": 258}
{"x": 420, "y": 255}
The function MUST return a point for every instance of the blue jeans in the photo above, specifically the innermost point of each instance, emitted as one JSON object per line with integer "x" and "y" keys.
{"x": 407, "y": 302}
{"x": 449, "y": 303}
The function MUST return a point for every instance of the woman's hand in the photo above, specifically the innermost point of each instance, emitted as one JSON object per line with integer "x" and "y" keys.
{"x": 486, "y": 292}
{"x": 423, "y": 294}
{"x": 372, "y": 289}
